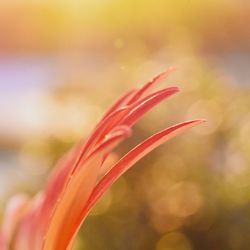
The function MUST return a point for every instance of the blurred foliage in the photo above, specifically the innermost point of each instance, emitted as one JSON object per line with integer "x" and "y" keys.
{"x": 192, "y": 193}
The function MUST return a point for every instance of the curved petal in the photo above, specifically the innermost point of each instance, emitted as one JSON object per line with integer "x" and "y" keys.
{"x": 128, "y": 115}
{"x": 122, "y": 101}
{"x": 51, "y": 220}
{"x": 77, "y": 192}
{"x": 129, "y": 160}
{"x": 145, "y": 88}
{"x": 148, "y": 103}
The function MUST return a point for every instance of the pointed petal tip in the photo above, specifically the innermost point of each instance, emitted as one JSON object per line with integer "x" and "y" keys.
{"x": 195, "y": 122}
{"x": 171, "y": 90}
{"x": 168, "y": 71}
{"x": 176, "y": 89}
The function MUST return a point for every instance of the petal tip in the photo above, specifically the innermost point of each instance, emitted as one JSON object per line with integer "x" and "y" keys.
{"x": 196, "y": 121}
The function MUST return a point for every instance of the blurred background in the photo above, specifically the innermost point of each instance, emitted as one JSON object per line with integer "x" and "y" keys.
{"x": 63, "y": 62}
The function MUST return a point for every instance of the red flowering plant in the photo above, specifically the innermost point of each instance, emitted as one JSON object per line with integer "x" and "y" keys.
{"x": 52, "y": 218}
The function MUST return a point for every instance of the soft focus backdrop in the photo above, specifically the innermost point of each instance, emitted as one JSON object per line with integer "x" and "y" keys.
{"x": 63, "y": 62}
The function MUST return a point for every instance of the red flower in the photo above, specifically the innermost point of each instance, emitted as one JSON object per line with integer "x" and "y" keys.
{"x": 52, "y": 219}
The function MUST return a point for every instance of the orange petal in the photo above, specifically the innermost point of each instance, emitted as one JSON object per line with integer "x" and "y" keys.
{"x": 129, "y": 160}
{"x": 76, "y": 194}
{"x": 145, "y": 88}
